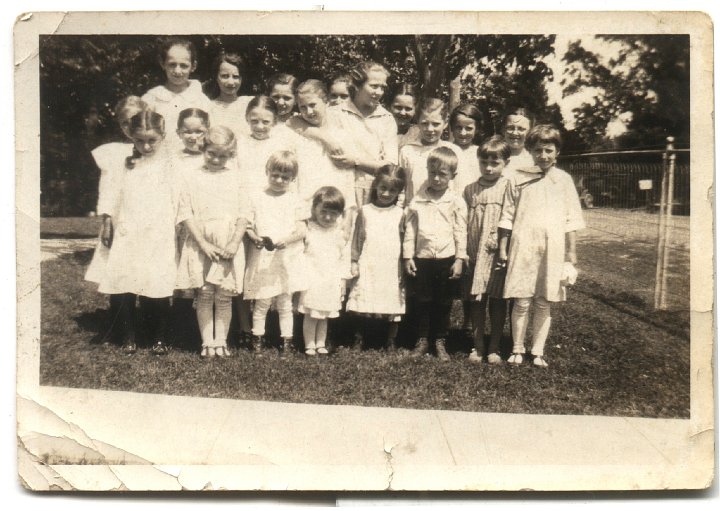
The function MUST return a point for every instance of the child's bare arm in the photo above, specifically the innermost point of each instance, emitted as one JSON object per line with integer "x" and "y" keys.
{"x": 297, "y": 235}
{"x": 234, "y": 244}
{"x": 210, "y": 250}
{"x": 503, "y": 242}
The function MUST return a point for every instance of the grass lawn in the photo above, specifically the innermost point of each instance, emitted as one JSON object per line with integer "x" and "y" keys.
{"x": 609, "y": 354}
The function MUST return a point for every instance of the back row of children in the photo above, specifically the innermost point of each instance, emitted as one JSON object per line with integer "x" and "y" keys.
{"x": 276, "y": 205}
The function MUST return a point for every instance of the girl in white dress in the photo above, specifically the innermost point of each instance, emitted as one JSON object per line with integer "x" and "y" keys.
{"x": 540, "y": 216}
{"x": 110, "y": 159}
{"x": 274, "y": 267}
{"x": 376, "y": 256}
{"x": 142, "y": 251}
{"x": 517, "y": 123}
{"x": 324, "y": 246}
{"x": 178, "y": 59}
{"x": 213, "y": 257}
{"x": 228, "y": 107}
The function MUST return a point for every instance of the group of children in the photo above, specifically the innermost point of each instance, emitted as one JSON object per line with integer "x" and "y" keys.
{"x": 319, "y": 201}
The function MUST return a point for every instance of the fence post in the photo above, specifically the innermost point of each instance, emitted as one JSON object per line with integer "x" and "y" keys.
{"x": 666, "y": 204}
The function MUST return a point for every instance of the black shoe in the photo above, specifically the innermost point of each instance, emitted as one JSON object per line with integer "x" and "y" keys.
{"x": 421, "y": 348}
{"x": 358, "y": 342}
{"x": 129, "y": 346}
{"x": 287, "y": 348}
{"x": 256, "y": 344}
{"x": 160, "y": 348}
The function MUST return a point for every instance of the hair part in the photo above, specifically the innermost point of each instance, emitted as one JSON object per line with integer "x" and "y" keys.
{"x": 470, "y": 111}
{"x": 169, "y": 42}
{"x": 431, "y": 105}
{"x": 341, "y": 78}
{"x": 127, "y": 107}
{"x": 211, "y": 87}
{"x": 313, "y": 86}
{"x": 283, "y": 161}
{"x": 393, "y": 174}
{"x": 442, "y": 157}
{"x": 359, "y": 75}
{"x": 189, "y": 113}
{"x": 494, "y": 146}
{"x": 282, "y": 79}
{"x": 544, "y": 134}
{"x": 146, "y": 120}
{"x": 263, "y": 102}
{"x": 220, "y": 136}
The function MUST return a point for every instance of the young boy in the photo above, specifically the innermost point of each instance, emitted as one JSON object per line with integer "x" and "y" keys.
{"x": 434, "y": 250}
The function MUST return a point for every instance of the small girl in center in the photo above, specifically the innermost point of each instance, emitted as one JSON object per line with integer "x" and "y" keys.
{"x": 377, "y": 254}
{"x": 213, "y": 256}
{"x": 324, "y": 245}
{"x": 277, "y": 217}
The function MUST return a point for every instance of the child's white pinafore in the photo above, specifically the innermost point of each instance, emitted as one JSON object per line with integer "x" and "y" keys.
{"x": 110, "y": 159}
{"x": 169, "y": 104}
{"x": 142, "y": 258}
{"x": 272, "y": 273}
{"x": 379, "y": 289}
{"x": 231, "y": 115}
{"x": 213, "y": 199}
{"x": 324, "y": 267}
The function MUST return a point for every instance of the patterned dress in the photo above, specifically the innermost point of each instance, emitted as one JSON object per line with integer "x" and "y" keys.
{"x": 484, "y": 201}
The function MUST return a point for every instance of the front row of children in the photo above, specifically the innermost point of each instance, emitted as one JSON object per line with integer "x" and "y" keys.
{"x": 503, "y": 238}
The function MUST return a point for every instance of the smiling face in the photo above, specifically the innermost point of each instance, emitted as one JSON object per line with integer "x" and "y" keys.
{"x": 515, "y": 130}
{"x": 432, "y": 126}
{"x": 386, "y": 194}
{"x": 261, "y": 121}
{"x": 338, "y": 93}
{"x": 491, "y": 166}
{"x": 147, "y": 141}
{"x": 279, "y": 180}
{"x": 192, "y": 133}
{"x": 228, "y": 80}
{"x": 216, "y": 156}
{"x": 283, "y": 96}
{"x": 312, "y": 108}
{"x": 403, "y": 109}
{"x": 544, "y": 155}
{"x": 463, "y": 130}
{"x": 178, "y": 66}
{"x": 439, "y": 178}
{"x": 371, "y": 92}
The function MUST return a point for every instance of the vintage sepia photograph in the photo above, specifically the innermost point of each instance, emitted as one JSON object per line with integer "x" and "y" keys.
{"x": 290, "y": 252}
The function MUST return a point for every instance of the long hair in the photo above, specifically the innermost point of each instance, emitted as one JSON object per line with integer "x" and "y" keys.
{"x": 472, "y": 112}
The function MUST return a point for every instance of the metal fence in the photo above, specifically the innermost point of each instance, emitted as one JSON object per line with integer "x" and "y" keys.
{"x": 637, "y": 241}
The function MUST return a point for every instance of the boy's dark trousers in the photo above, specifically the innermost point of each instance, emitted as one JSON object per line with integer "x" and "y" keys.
{"x": 434, "y": 294}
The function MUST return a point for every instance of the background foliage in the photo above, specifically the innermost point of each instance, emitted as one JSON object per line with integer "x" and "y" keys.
{"x": 82, "y": 77}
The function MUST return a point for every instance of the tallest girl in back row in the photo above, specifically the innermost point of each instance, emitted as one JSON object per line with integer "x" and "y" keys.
{"x": 178, "y": 59}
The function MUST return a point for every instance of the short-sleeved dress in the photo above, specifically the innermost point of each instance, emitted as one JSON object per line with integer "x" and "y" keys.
{"x": 214, "y": 200}
{"x": 539, "y": 209}
{"x": 324, "y": 270}
{"x": 110, "y": 159}
{"x": 231, "y": 115}
{"x": 379, "y": 289}
{"x": 484, "y": 201}
{"x": 270, "y": 273}
{"x": 142, "y": 258}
